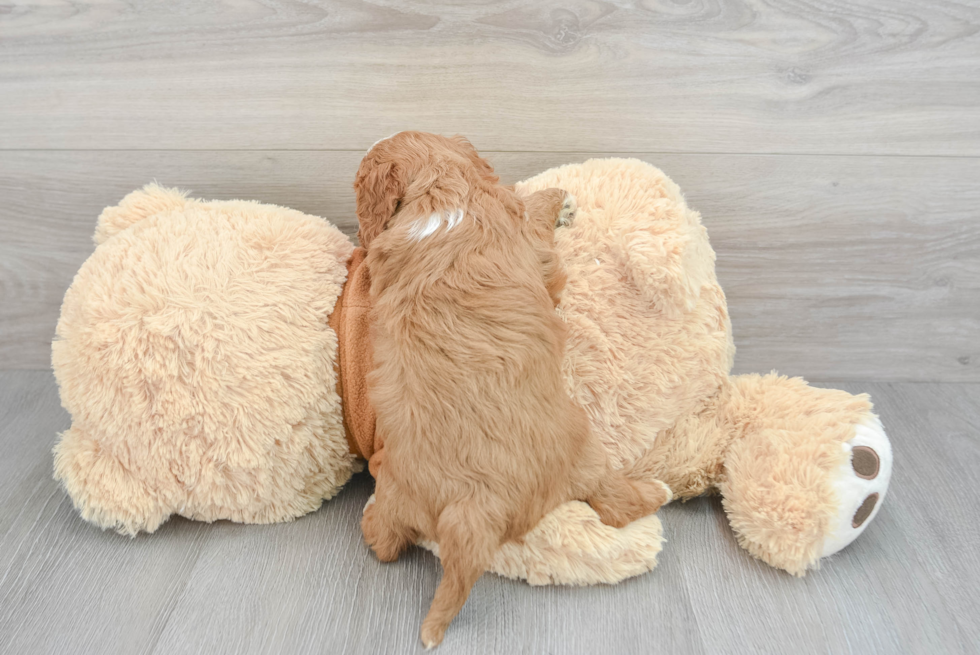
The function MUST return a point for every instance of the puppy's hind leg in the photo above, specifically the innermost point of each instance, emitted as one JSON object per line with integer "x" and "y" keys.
{"x": 468, "y": 540}
{"x": 383, "y": 531}
{"x": 619, "y": 500}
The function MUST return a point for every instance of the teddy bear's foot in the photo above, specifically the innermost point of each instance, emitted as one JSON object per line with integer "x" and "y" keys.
{"x": 567, "y": 214}
{"x": 808, "y": 472}
{"x": 860, "y": 484}
{"x": 571, "y": 546}
{"x": 104, "y": 490}
{"x": 788, "y": 509}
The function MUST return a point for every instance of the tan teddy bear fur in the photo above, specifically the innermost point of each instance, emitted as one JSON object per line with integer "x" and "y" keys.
{"x": 196, "y": 356}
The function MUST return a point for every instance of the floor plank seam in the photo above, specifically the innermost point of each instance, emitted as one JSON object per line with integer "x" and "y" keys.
{"x": 178, "y": 595}
{"x": 600, "y": 153}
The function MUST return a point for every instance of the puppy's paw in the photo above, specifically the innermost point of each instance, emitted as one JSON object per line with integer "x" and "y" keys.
{"x": 655, "y": 494}
{"x": 567, "y": 214}
{"x": 386, "y": 545}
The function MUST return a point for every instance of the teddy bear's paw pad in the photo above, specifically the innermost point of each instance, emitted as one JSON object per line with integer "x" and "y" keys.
{"x": 860, "y": 484}
{"x": 865, "y": 462}
{"x": 567, "y": 214}
{"x": 864, "y": 511}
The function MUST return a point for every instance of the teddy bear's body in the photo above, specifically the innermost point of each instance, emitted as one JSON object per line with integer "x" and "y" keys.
{"x": 649, "y": 354}
{"x": 196, "y": 357}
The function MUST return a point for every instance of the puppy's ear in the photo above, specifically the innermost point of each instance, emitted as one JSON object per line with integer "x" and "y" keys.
{"x": 378, "y": 188}
{"x": 482, "y": 165}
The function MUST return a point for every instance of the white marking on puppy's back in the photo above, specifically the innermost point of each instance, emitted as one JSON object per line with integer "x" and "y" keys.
{"x": 455, "y": 218}
{"x": 424, "y": 227}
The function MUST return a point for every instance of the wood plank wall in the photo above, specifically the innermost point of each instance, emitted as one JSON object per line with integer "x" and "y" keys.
{"x": 832, "y": 147}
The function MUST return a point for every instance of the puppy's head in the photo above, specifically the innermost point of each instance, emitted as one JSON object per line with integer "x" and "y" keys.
{"x": 436, "y": 172}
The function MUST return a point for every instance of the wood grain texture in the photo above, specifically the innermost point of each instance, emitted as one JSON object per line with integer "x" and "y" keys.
{"x": 311, "y": 586}
{"x": 744, "y": 76}
{"x": 66, "y": 587}
{"x": 835, "y": 267}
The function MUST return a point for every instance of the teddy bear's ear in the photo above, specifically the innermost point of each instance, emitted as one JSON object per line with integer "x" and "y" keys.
{"x": 379, "y": 187}
{"x": 142, "y": 203}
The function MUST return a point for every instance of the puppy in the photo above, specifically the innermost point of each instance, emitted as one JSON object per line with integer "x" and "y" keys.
{"x": 480, "y": 437}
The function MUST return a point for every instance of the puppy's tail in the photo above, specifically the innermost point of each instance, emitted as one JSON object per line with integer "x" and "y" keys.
{"x": 619, "y": 500}
{"x": 468, "y": 538}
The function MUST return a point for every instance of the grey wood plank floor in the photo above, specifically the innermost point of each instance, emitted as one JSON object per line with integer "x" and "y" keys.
{"x": 908, "y": 585}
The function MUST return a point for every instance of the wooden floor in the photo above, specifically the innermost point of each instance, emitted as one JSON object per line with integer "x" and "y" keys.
{"x": 832, "y": 147}
{"x": 907, "y": 585}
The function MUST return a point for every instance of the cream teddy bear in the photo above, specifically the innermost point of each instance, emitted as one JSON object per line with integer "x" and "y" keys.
{"x": 197, "y": 352}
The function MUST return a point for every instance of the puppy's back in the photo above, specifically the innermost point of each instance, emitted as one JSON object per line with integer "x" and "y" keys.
{"x": 468, "y": 348}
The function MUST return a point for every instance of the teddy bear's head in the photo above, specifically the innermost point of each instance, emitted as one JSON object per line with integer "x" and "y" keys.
{"x": 194, "y": 355}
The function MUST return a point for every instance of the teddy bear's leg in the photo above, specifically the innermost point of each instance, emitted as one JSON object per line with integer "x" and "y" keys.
{"x": 142, "y": 203}
{"x": 103, "y": 489}
{"x": 807, "y": 472}
{"x": 571, "y": 546}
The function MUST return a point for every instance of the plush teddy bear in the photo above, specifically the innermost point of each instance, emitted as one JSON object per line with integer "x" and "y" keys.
{"x": 198, "y": 355}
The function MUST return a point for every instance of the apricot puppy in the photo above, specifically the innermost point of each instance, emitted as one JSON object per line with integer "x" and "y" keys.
{"x": 480, "y": 438}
